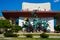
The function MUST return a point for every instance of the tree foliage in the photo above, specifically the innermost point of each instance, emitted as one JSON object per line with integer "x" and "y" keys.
{"x": 4, "y": 23}
{"x": 57, "y": 16}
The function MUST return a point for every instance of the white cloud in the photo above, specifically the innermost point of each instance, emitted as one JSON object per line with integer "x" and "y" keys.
{"x": 56, "y": 0}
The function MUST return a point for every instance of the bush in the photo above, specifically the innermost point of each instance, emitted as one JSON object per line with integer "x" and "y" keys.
{"x": 29, "y": 35}
{"x": 16, "y": 28}
{"x": 57, "y": 28}
{"x": 43, "y": 35}
{"x": 7, "y": 34}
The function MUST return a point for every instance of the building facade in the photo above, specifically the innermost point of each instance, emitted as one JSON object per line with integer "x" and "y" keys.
{"x": 42, "y": 11}
{"x": 38, "y": 7}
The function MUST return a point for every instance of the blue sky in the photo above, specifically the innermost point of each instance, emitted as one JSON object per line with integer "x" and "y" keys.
{"x": 17, "y": 4}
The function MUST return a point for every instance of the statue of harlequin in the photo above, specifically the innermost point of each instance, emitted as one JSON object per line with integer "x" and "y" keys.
{"x": 37, "y": 23}
{"x": 45, "y": 25}
{"x": 34, "y": 24}
{"x": 28, "y": 25}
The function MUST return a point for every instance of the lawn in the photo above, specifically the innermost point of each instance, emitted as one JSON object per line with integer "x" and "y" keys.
{"x": 30, "y": 39}
{"x": 58, "y": 34}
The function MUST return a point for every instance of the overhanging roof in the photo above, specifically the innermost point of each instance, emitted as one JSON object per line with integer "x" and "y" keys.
{"x": 17, "y": 14}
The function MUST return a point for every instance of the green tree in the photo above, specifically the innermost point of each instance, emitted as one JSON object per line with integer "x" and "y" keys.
{"x": 57, "y": 17}
{"x": 4, "y": 25}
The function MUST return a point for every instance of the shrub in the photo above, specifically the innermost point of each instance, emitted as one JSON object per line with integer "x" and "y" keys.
{"x": 16, "y": 28}
{"x": 29, "y": 35}
{"x": 43, "y": 35}
{"x": 7, "y": 34}
{"x": 57, "y": 28}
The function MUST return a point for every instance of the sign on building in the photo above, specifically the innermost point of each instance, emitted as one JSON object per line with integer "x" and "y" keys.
{"x": 36, "y": 6}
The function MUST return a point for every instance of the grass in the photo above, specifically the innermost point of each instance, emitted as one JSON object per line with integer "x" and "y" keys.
{"x": 39, "y": 34}
{"x": 31, "y": 39}
{"x": 58, "y": 34}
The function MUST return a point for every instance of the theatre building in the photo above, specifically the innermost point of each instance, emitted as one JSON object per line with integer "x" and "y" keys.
{"x": 28, "y": 10}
